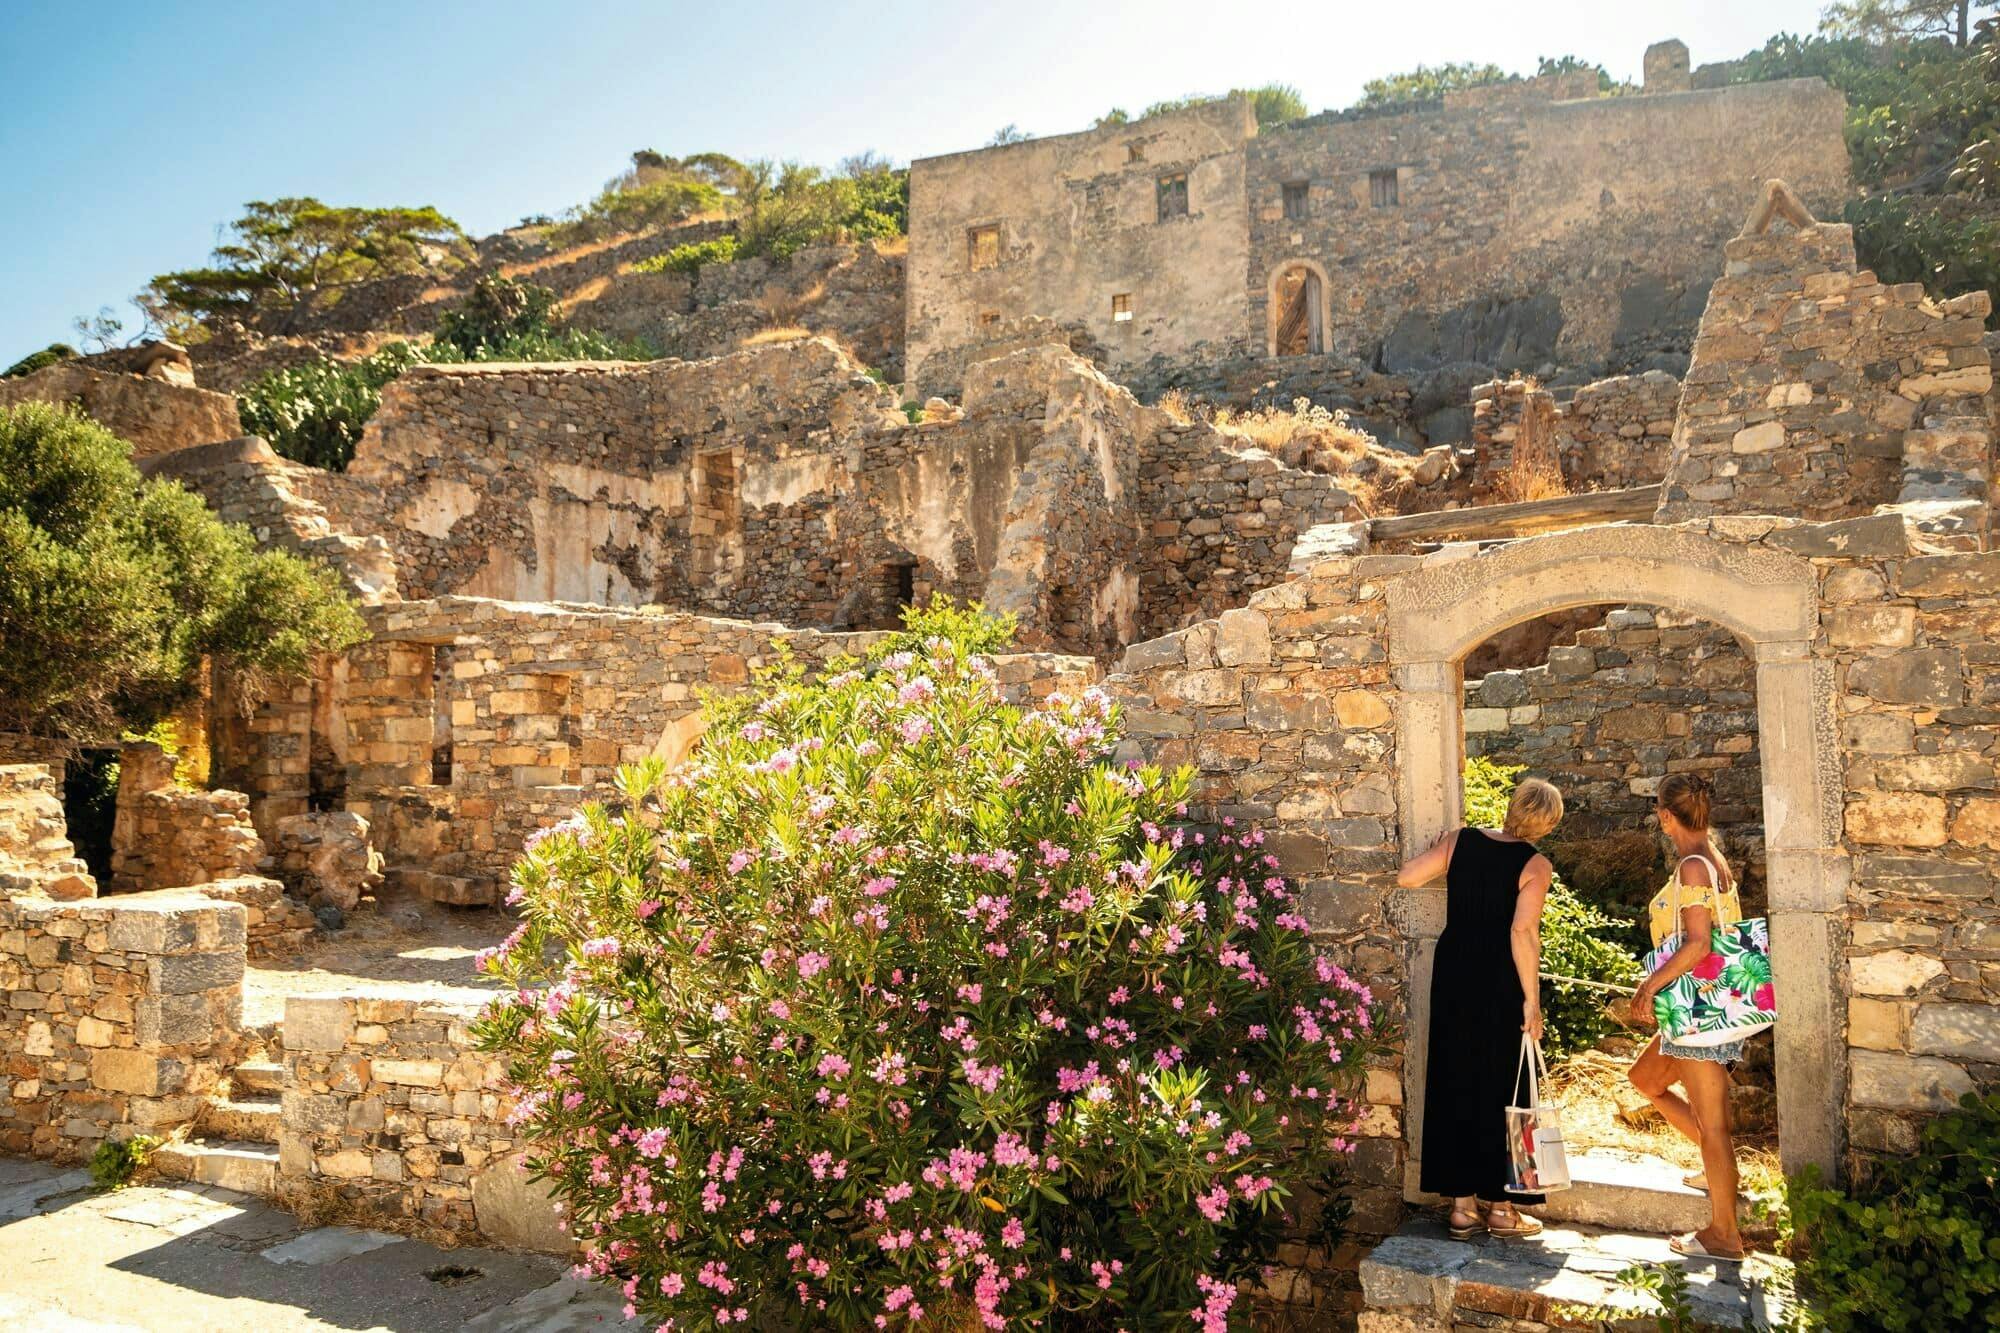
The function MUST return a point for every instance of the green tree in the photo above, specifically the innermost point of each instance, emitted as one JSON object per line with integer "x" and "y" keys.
{"x": 1902, "y": 20}
{"x": 292, "y": 254}
{"x": 1272, "y": 103}
{"x": 113, "y": 590}
{"x": 1427, "y": 83}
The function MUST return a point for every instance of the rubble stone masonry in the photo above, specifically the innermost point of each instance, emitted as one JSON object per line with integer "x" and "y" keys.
{"x": 120, "y": 1014}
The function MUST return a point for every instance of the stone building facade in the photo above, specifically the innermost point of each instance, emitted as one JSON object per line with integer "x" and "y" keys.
{"x": 1510, "y": 226}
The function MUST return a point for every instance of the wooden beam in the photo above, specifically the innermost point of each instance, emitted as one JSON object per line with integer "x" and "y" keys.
{"x": 1635, "y": 505}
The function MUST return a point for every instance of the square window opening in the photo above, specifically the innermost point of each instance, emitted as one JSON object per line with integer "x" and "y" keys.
{"x": 1383, "y": 189}
{"x": 1298, "y": 201}
{"x": 983, "y": 247}
{"x": 1173, "y": 195}
{"x": 1121, "y": 308}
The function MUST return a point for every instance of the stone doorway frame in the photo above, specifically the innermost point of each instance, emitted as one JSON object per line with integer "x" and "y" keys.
{"x": 1438, "y": 614}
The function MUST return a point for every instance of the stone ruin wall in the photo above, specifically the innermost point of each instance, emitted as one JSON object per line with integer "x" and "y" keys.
{"x": 1534, "y": 223}
{"x": 1643, "y": 695}
{"x": 1610, "y": 434}
{"x": 120, "y": 1015}
{"x": 1812, "y": 381}
{"x": 780, "y": 483}
{"x": 154, "y": 415}
{"x": 36, "y": 856}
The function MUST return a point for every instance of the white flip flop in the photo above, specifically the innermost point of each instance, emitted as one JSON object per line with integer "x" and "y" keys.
{"x": 1691, "y": 1247}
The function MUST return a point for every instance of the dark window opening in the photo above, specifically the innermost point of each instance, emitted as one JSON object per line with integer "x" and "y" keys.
{"x": 1135, "y": 151}
{"x": 1121, "y": 308}
{"x": 1384, "y": 190}
{"x": 440, "y": 717}
{"x": 988, "y": 318}
{"x": 1297, "y": 201}
{"x": 1173, "y": 196}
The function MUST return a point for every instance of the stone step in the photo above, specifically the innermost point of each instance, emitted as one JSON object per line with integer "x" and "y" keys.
{"x": 451, "y": 890}
{"x": 1421, "y": 1279}
{"x": 249, "y": 1119}
{"x": 1642, "y": 1194}
{"x": 247, "y": 1168}
{"x": 258, "y": 1076}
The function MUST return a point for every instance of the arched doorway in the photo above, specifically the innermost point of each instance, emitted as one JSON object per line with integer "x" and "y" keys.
{"x": 1768, "y": 600}
{"x": 1298, "y": 309}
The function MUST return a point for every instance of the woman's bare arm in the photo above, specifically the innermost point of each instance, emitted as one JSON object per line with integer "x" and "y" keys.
{"x": 1524, "y": 938}
{"x": 1427, "y": 865}
{"x": 1696, "y": 924}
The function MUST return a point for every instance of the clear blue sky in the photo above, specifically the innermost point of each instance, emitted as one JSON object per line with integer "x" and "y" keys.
{"x": 133, "y": 129}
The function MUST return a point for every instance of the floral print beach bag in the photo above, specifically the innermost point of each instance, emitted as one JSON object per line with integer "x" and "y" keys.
{"x": 1725, "y": 997}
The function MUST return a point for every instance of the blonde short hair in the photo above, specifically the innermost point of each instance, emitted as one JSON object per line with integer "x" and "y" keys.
{"x": 1536, "y": 808}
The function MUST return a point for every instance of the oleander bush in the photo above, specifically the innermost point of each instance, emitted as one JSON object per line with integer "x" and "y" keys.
{"x": 898, "y": 1006}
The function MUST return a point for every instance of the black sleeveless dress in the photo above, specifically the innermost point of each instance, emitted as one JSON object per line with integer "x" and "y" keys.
{"x": 1475, "y": 1033}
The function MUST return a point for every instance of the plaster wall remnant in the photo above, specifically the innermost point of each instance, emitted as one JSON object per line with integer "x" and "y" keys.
{"x": 36, "y": 856}
{"x": 1498, "y": 199}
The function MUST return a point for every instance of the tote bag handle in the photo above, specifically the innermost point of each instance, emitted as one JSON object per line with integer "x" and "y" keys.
{"x": 1531, "y": 1060}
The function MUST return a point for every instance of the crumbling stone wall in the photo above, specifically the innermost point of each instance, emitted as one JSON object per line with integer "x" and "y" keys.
{"x": 1615, "y": 433}
{"x": 1510, "y": 227}
{"x": 387, "y": 1104}
{"x": 1809, "y": 376}
{"x": 1646, "y": 694}
{"x": 155, "y": 416}
{"x": 1290, "y": 711}
{"x": 36, "y": 856}
{"x": 120, "y": 1015}
{"x": 469, "y": 723}
{"x": 166, "y": 836}
{"x": 1081, "y": 219}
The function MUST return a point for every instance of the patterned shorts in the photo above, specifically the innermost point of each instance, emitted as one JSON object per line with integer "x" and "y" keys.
{"x": 1726, "y": 1054}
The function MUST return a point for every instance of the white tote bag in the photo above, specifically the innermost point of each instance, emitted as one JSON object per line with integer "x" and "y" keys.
{"x": 1536, "y": 1160}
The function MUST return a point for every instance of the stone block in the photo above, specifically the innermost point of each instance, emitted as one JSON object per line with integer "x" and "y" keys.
{"x": 1871, "y": 626}
{"x": 1896, "y": 972}
{"x": 183, "y": 973}
{"x": 1904, "y": 819}
{"x": 1977, "y": 824}
{"x": 415, "y": 1073}
{"x": 1242, "y": 638}
{"x": 138, "y": 1072}
{"x": 512, "y": 1210}
{"x": 317, "y": 1023}
{"x": 1905, "y": 1082}
{"x": 1966, "y": 1031}
{"x": 1877, "y": 1025}
{"x": 1931, "y": 677}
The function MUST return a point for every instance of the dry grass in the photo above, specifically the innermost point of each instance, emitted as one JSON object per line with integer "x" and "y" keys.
{"x": 1602, "y": 1110}
{"x": 781, "y": 306}
{"x": 1533, "y": 477}
{"x": 1177, "y": 405}
{"x": 527, "y": 266}
{"x": 766, "y": 337}
{"x": 316, "y": 1203}
{"x": 1313, "y": 439}
{"x": 589, "y": 291}
{"x": 893, "y": 245}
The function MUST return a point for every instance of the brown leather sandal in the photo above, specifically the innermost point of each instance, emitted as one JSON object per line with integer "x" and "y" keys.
{"x": 1521, "y": 1228}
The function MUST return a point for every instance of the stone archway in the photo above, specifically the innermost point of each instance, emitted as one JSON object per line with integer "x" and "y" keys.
{"x": 1769, "y": 600}
{"x": 1298, "y": 311}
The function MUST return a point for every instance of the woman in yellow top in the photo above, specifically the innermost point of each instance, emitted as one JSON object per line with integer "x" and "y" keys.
{"x": 1705, "y": 892}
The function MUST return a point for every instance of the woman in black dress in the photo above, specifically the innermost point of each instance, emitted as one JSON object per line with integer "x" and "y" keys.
{"x": 1483, "y": 974}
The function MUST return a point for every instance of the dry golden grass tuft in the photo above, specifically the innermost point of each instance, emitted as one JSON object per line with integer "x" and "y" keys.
{"x": 782, "y": 306}
{"x": 1314, "y": 439}
{"x": 783, "y": 334}
{"x": 1177, "y": 405}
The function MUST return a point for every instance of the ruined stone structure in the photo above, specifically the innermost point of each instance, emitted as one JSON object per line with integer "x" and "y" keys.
{"x": 1542, "y": 222}
{"x": 154, "y": 406}
{"x": 555, "y": 560}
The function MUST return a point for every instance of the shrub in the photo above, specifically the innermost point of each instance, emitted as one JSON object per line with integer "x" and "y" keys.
{"x": 113, "y": 590}
{"x": 116, "y": 1161}
{"x": 35, "y": 361}
{"x": 1918, "y": 1246}
{"x": 691, "y": 257}
{"x": 901, "y": 1004}
{"x": 1578, "y": 940}
{"x": 314, "y": 413}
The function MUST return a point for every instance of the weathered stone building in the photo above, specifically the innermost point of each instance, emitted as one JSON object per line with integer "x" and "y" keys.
{"x": 1511, "y": 226}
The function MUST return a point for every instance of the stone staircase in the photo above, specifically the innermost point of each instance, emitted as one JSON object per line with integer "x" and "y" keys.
{"x": 1618, "y": 1214}
{"x": 234, "y": 1142}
